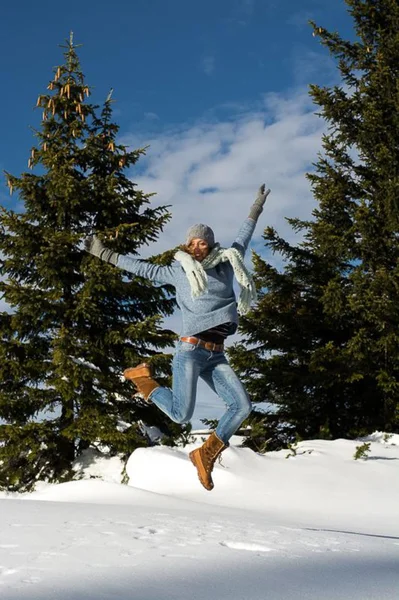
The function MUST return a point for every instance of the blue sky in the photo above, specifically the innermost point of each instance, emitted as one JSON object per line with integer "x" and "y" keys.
{"x": 169, "y": 62}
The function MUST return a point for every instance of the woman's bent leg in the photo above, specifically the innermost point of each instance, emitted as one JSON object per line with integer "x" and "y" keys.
{"x": 223, "y": 380}
{"x": 179, "y": 402}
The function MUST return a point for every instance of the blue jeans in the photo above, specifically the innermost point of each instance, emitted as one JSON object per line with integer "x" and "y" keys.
{"x": 191, "y": 362}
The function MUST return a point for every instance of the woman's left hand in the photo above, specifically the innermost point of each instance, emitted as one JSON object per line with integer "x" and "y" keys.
{"x": 257, "y": 206}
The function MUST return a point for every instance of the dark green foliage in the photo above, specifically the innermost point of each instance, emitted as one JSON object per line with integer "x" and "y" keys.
{"x": 75, "y": 321}
{"x": 325, "y": 334}
{"x": 179, "y": 435}
{"x": 265, "y": 432}
{"x": 210, "y": 423}
{"x": 362, "y": 451}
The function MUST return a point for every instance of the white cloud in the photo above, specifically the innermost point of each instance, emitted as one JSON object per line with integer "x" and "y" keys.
{"x": 311, "y": 65}
{"x": 208, "y": 64}
{"x": 151, "y": 116}
{"x": 209, "y": 172}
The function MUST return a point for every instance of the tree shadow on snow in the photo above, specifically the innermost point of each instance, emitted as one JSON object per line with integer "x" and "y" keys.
{"x": 373, "y": 535}
{"x": 255, "y": 577}
{"x": 381, "y": 458}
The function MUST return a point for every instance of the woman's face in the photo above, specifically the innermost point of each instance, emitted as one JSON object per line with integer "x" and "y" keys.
{"x": 198, "y": 249}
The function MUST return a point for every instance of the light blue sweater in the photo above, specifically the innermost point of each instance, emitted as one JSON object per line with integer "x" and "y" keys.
{"x": 218, "y": 305}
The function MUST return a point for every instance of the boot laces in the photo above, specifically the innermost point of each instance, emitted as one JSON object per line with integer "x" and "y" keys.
{"x": 208, "y": 455}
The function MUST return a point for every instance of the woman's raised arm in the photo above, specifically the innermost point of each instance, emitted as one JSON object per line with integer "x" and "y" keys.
{"x": 248, "y": 227}
{"x": 139, "y": 267}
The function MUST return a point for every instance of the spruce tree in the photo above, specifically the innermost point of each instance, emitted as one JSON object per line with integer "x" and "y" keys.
{"x": 326, "y": 329}
{"x": 74, "y": 322}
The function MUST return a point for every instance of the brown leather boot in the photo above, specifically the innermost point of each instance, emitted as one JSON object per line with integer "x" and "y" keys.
{"x": 141, "y": 376}
{"x": 204, "y": 458}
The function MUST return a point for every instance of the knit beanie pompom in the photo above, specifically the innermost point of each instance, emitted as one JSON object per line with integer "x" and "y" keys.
{"x": 201, "y": 231}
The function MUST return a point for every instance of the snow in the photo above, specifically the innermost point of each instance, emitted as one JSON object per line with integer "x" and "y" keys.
{"x": 316, "y": 525}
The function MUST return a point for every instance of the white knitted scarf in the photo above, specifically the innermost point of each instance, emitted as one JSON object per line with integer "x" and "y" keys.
{"x": 198, "y": 279}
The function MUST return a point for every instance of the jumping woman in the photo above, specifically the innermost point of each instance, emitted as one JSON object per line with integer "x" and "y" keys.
{"x": 203, "y": 275}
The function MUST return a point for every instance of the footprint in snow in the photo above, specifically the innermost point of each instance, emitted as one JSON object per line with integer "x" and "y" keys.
{"x": 149, "y": 529}
{"x": 143, "y": 532}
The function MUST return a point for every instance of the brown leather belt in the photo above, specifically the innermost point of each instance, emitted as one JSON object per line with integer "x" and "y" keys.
{"x": 207, "y": 345}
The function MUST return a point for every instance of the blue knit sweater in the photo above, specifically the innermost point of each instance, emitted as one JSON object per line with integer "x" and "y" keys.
{"x": 218, "y": 305}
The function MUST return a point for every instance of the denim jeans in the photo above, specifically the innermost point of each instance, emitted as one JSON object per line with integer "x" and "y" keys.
{"x": 191, "y": 362}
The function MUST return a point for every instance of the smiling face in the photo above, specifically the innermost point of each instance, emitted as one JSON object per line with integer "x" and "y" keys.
{"x": 198, "y": 249}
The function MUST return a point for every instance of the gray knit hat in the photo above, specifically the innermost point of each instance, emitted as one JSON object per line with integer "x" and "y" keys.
{"x": 202, "y": 232}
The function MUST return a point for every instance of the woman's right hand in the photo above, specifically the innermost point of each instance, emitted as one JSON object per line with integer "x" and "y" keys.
{"x": 95, "y": 247}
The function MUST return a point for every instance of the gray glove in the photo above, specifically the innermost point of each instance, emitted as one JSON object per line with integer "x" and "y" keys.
{"x": 257, "y": 206}
{"x": 94, "y": 246}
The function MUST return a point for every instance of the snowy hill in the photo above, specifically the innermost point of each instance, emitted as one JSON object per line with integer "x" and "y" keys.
{"x": 317, "y": 525}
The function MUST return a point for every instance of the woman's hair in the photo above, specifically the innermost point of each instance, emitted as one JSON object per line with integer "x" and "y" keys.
{"x": 186, "y": 248}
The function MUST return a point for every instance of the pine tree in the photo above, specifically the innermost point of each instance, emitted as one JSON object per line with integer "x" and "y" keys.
{"x": 289, "y": 355}
{"x": 327, "y": 327}
{"x": 75, "y": 322}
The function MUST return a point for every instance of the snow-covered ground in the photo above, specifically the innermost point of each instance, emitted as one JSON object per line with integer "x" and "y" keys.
{"x": 318, "y": 525}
